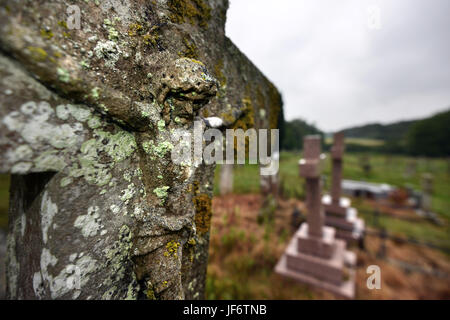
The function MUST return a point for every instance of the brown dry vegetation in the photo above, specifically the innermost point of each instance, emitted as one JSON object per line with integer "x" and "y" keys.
{"x": 244, "y": 253}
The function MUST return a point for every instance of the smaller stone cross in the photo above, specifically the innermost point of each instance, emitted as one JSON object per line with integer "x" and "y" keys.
{"x": 336, "y": 155}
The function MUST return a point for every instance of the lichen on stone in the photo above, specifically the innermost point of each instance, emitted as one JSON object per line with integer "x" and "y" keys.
{"x": 192, "y": 11}
{"x": 203, "y": 212}
{"x": 172, "y": 249}
{"x": 161, "y": 193}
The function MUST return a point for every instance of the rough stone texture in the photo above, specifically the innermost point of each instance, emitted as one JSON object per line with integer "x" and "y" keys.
{"x": 98, "y": 210}
{"x": 2, "y": 264}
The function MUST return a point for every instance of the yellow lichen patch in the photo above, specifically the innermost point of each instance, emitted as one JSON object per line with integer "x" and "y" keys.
{"x": 134, "y": 29}
{"x": 228, "y": 117}
{"x": 37, "y": 54}
{"x": 172, "y": 249}
{"x": 150, "y": 294}
{"x": 247, "y": 119}
{"x": 152, "y": 37}
{"x": 203, "y": 212}
{"x": 191, "y": 11}
{"x": 191, "y": 50}
{"x": 205, "y": 113}
{"x": 63, "y": 24}
{"x": 46, "y": 34}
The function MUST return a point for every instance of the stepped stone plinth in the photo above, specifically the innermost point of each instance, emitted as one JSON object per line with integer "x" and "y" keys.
{"x": 339, "y": 213}
{"x": 314, "y": 256}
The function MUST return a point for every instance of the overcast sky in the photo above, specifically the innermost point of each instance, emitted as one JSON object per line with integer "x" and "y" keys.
{"x": 338, "y": 65}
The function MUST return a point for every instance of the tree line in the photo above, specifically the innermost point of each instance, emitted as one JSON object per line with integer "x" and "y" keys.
{"x": 425, "y": 137}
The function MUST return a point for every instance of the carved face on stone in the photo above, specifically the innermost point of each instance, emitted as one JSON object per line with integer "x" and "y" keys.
{"x": 184, "y": 86}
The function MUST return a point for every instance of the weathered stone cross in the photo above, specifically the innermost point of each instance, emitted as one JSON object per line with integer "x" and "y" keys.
{"x": 97, "y": 207}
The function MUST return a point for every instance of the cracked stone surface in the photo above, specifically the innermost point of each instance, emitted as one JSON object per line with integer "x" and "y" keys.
{"x": 97, "y": 208}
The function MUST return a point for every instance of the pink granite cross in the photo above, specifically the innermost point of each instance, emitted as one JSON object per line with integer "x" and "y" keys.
{"x": 336, "y": 154}
{"x": 310, "y": 168}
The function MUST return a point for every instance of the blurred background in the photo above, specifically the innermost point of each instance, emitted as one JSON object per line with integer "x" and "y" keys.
{"x": 379, "y": 72}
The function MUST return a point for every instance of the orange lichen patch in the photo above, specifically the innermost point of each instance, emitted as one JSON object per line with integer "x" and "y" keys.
{"x": 203, "y": 212}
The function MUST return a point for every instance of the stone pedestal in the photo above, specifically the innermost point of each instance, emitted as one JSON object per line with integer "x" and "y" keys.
{"x": 314, "y": 256}
{"x": 338, "y": 212}
{"x": 320, "y": 262}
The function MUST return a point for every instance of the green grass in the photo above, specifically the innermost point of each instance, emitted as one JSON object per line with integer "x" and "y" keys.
{"x": 388, "y": 169}
{"x": 385, "y": 169}
{"x": 245, "y": 179}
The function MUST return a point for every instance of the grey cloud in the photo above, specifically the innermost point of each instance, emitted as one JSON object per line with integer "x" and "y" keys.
{"x": 334, "y": 71}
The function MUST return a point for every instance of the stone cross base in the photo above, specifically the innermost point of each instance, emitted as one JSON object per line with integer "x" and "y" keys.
{"x": 335, "y": 209}
{"x": 324, "y": 263}
{"x": 344, "y": 218}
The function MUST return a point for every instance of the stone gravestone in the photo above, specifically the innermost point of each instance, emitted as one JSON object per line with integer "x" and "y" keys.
{"x": 226, "y": 179}
{"x": 269, "y": 186}
{"x": 270, "y": 183}
{"x": 410, "y": 169}
{"x": 97, "y": 208}
{"x": 365, "y": 164}
{"x": 427, "y": 187}
{"x": 314, "y": 256}
{"x": 338, "y": 212}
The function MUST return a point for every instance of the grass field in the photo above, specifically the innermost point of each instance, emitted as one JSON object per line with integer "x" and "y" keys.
{"x": 385, "y": 169}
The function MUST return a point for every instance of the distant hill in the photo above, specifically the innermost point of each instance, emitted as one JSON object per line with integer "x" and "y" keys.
{"x": 427, "y": 137}
{"x": 386, "y": 132}
{"x": 430, "y": 136}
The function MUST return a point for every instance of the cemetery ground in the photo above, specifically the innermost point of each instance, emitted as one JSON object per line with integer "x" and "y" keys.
{"x": 414, "y": 259}
{"x": 244, "y": 252}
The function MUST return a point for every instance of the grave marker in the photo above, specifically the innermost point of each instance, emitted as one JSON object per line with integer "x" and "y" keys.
{"x": 339, "y": 214}
{"x": 314, "y": 256}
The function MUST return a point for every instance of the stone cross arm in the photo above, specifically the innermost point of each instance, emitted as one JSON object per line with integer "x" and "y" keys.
{"x": 310, "y": 164}
{"x": 337, "y": 150}
{"x": 90, "y": 93}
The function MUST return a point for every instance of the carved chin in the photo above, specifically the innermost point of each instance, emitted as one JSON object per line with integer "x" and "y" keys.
{"x": 183, "y": 107}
